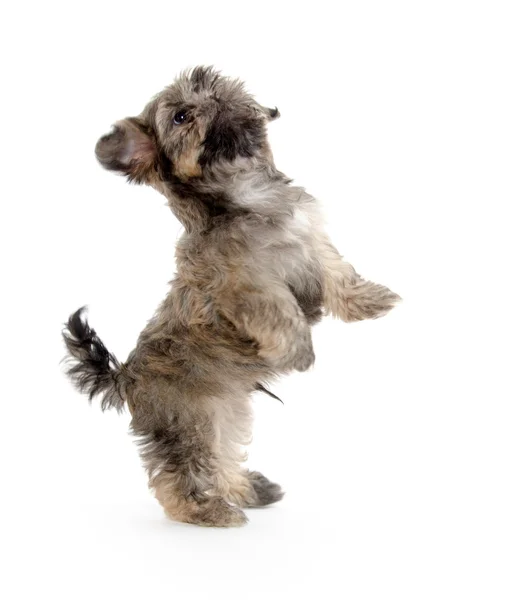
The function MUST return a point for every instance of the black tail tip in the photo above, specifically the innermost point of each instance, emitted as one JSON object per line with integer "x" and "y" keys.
{"x": 77, "y": 326}
{"x": 91, "y": 367}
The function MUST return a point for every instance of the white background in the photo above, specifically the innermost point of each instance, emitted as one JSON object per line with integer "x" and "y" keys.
{"x": 402, "y": 451}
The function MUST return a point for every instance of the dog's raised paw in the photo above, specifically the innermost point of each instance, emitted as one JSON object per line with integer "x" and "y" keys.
{"x": 369, "y": 300}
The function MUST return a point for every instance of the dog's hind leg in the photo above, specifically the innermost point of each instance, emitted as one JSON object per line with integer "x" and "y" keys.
{"x": 238, "y": 485}
{"x": 182, "y": 468}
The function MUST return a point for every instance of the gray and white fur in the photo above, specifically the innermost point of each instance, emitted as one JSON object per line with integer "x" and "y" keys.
{"x": 255, "y": 271}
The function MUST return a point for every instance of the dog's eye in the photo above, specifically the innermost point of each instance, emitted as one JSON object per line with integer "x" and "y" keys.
{"x": 180, "y": 117}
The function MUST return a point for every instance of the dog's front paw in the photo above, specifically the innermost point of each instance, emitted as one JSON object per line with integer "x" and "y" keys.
{"x": 303, "y": 360}
{"x": 300, "y": 360}
{"x": 368, "y": 300}
{"x": 290, "y": 349}
{"x": 300, "y": 356}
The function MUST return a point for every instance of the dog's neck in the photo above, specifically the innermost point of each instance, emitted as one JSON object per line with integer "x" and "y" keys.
{"x": 225, "y": 192}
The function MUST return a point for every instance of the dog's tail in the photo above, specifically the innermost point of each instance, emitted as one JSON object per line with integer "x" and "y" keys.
{"x": 91, "y": 367}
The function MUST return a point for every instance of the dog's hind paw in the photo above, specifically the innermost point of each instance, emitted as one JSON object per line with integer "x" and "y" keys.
{"x": 264, "y": 491}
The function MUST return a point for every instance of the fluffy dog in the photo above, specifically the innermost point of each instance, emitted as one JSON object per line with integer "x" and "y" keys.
{"x": 255, "y": 271}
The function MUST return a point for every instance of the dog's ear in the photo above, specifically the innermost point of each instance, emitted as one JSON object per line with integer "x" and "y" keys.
{"x": 128, "y": 149}
{"x": 270, "y": 113}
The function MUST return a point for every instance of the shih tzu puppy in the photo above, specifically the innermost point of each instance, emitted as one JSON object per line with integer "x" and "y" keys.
{"x": 255, "y": 270}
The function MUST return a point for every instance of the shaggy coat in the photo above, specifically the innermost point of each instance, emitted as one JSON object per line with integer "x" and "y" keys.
{"x": 255, "y": 271}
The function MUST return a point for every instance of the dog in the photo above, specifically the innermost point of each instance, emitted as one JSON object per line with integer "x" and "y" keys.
{"x": 255, "y": 271}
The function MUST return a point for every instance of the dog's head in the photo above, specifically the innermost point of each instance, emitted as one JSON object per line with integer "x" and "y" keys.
{"x": 203, "y": 119}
